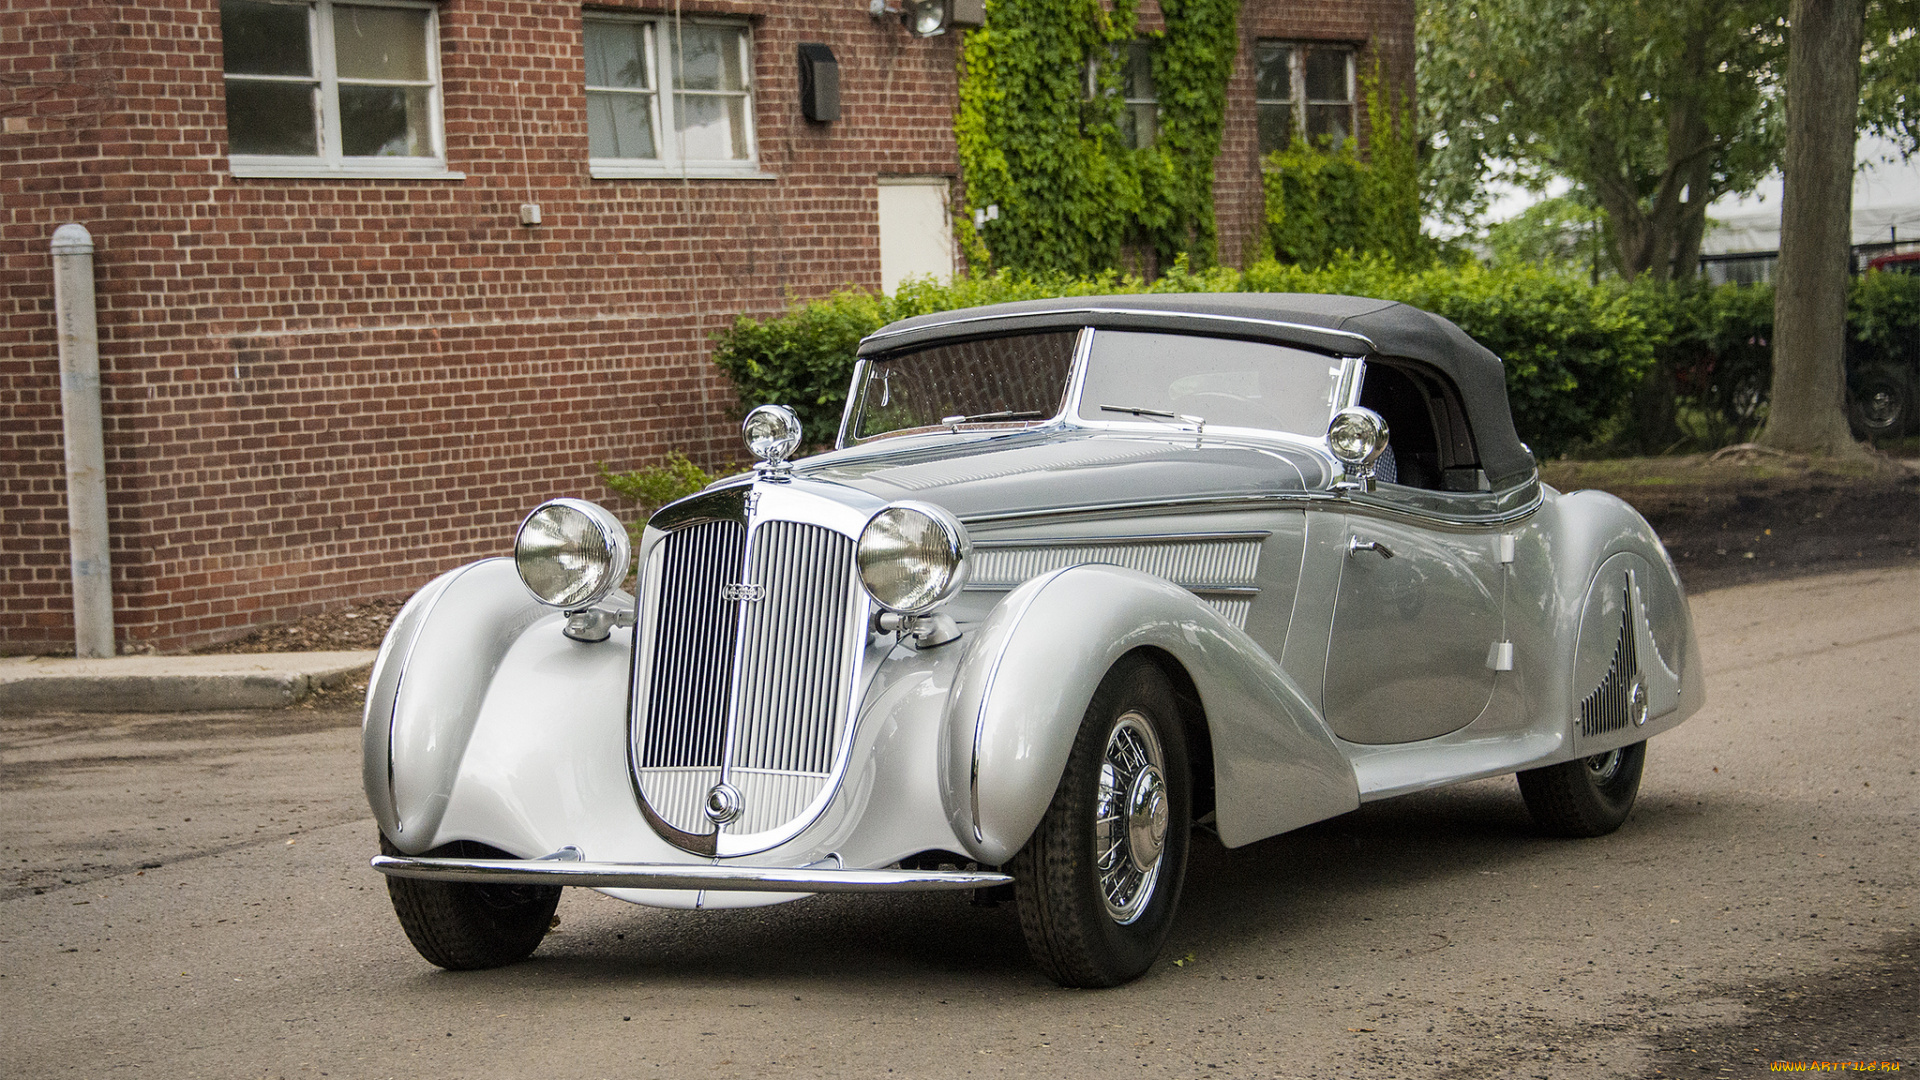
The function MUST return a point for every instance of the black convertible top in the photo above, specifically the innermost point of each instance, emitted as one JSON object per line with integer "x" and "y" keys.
{"x": 1343, "y": 325}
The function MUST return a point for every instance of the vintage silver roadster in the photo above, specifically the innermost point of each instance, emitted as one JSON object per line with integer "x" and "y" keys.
{"x": 1078, "y": 575}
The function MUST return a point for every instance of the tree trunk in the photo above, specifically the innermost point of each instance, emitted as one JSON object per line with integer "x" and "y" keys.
{"x": 1809, "y": 410}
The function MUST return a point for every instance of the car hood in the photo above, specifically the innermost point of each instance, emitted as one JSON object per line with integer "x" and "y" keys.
{"x": 1056, "y": 471}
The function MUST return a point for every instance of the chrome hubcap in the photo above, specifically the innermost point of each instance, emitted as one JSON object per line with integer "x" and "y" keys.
{"x": 1130, "y": 831}
{"x": 1880, "y": 408}
{"x": 1604, "y": 767}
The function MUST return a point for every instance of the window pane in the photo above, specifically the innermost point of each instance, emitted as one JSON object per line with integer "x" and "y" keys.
{"x": 1329, "y": 121}
{"x": 264, "y": 39}
{"x": 620, "y": 126}
{"x": 1273, "y": 72}
{"x": 709, "y": 58}
{"x": 1227, "y": 383}
{"x": 1140, "y": 125}
{"x": 380, "y": 43}
{"x": 1139, "y": 81}
{"x": 1327, "y": 75}
{"x": 271, "y": 118}
{"x": 384, "y": 121}
{"x": 1276, "y": 127}
{"x": 712, "y": 127}
{"x": 616, "y": 56}
{"x": 1022, "y": 375}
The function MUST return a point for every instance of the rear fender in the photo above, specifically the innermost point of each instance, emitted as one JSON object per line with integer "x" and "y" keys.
{"x": 1030, "y": 669}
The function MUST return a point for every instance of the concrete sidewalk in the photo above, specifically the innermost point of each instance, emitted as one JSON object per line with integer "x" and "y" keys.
{"x": 172, "y": 683}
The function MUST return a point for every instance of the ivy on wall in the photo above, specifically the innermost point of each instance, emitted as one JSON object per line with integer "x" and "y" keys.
{"x": 1033, "y": 142}
{"x": 1326, "y": 199}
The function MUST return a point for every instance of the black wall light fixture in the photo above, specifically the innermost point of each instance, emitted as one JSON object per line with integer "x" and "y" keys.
{"x": 819, "y": 83}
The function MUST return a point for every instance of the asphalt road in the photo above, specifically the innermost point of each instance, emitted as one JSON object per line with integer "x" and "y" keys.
{"x": 188, "y": 896}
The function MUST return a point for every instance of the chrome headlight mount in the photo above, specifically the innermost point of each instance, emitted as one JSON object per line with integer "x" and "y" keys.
{"x": 914, "y": 557}
{"x": 1357, "y": 437}
{"x": 570, "y": 554}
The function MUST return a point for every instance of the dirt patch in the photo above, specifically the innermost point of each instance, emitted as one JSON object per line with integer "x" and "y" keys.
{"x": 1852, "y": 1014}
{"x": 1741, "y": 517}
{"x": 354, "y": 626}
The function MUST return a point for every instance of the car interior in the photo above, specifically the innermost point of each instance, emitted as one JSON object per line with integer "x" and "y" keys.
{"x": 1432, "y": 446}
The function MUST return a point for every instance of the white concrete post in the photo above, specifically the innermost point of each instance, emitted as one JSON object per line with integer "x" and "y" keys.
{"x": 86, "y": 443}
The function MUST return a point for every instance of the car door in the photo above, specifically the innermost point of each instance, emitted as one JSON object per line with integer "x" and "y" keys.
{"x": 1417, "y": 637}
{"x": 1417, "y": 625}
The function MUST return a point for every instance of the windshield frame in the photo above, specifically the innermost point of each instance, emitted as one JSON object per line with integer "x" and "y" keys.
{"x": 1346, "y": 392}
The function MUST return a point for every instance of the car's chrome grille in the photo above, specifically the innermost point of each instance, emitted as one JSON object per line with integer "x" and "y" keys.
{"x": 752, "y": 690}
{"x": 1610, "y": 706}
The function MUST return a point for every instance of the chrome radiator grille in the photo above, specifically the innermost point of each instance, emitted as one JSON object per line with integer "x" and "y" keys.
{"x": 754, "y": 691}
{"x": 1610, "y": 706}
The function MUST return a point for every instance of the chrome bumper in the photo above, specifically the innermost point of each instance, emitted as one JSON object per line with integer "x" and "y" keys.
{"x": 782, "y": 879}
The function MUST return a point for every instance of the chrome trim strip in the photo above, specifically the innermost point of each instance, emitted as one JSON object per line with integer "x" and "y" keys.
{"x": 1365, "y": 342}
{"x": 596, "y": 875}
{"x": 1212, "y": 503}
{"x": 1134, "y": 538}
{"x": 1198, "y": 590}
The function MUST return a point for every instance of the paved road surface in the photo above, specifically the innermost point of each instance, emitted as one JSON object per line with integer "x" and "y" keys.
{"x": 188, "y": 896}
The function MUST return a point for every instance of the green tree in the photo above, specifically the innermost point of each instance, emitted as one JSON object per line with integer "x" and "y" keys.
{"x": 1656, "y": 109}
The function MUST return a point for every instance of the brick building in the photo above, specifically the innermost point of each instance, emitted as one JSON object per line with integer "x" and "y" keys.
{"x": 375, "y": 277}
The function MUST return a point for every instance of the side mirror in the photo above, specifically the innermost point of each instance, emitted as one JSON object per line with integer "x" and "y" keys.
{"x": 1357, "y": 437}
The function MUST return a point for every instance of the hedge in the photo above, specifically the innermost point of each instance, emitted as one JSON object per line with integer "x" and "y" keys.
{"x": 1573, "y": 350}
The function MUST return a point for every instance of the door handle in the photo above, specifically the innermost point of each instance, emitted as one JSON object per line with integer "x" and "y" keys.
{"x": 1355, "y": 544}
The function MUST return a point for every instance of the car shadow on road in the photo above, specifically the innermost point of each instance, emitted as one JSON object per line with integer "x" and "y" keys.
{"x": 1301, "y": 887}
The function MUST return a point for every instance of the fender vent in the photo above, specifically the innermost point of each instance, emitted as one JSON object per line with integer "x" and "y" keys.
{"x": 1610, "y": 707}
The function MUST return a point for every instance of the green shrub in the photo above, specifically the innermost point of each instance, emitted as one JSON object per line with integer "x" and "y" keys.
{"x": 654, "y": 486}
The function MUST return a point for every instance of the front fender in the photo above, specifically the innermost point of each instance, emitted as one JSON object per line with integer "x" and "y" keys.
{"x": 424, "y": 693}
{"x": 1030, "y": 669}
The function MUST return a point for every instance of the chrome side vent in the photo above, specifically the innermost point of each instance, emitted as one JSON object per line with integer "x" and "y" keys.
{"x": 1220, "y": 569}
{"x": 1620, "y": 701}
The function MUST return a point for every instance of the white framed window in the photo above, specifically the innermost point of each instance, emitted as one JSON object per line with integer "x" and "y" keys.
{"x": 1303, "y": 88}
{"x": 669, "y": 97}
{"x": 1140, "y": 104}
{"x": 333, "y": 88}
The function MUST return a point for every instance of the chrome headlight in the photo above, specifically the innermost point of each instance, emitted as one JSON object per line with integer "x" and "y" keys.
{"x": 1357, "y": 437}
{"x": 571, "y": 553}
{"x": 913, "y": 557}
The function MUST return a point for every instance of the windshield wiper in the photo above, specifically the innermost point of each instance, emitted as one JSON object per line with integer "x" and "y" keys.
{"x": 1199, "y": 422}
{"x": 1004, "y": 414}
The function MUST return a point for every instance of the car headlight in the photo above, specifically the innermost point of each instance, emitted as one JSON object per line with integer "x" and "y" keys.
{"x": 571, "y": 553}
{"x": 913, "y": 557}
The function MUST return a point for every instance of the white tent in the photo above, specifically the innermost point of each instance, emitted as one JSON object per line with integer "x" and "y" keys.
{"x": 1886, "y": 205}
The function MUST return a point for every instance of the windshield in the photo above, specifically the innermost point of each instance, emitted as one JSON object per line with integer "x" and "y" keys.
{"x": 990, "y": 381}
{"x": 1224, "y": 382}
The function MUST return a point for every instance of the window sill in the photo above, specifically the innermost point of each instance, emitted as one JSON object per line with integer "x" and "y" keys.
{"x": 314, "y": 170}
{"x": 600, "y": 170}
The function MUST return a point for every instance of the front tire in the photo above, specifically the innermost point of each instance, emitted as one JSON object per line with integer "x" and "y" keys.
{"x": 1100, "y": 879}
{"x": 1882, "y": 403}
{"x": 1589, "y": 796}
{"x": 467, "y": 927}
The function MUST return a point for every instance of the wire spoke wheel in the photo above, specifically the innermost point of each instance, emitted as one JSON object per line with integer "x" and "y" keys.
{"x": 1100, "y": 878}
{"x": 1130, "y": 830}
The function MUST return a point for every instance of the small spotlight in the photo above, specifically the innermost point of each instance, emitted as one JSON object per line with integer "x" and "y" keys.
{"x": 922, "y": 18}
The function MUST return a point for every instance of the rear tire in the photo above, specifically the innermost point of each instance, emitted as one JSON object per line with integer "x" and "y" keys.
{"x": 1589, "y": 796}
{"x": 1881, "y": 400}
{"x": 467, "y": 927}
{"x": 1100, "y": 879}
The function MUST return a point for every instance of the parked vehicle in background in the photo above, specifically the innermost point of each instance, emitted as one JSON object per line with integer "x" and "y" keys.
{"x": 1883, "y": 384}
{"x": 1078, "y": 576}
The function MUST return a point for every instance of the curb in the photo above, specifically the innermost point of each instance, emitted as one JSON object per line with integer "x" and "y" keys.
{"x": 173, "y": 683}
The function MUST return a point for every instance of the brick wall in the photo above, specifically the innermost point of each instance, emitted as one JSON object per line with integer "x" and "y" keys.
{"x": 322, "y": 390}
